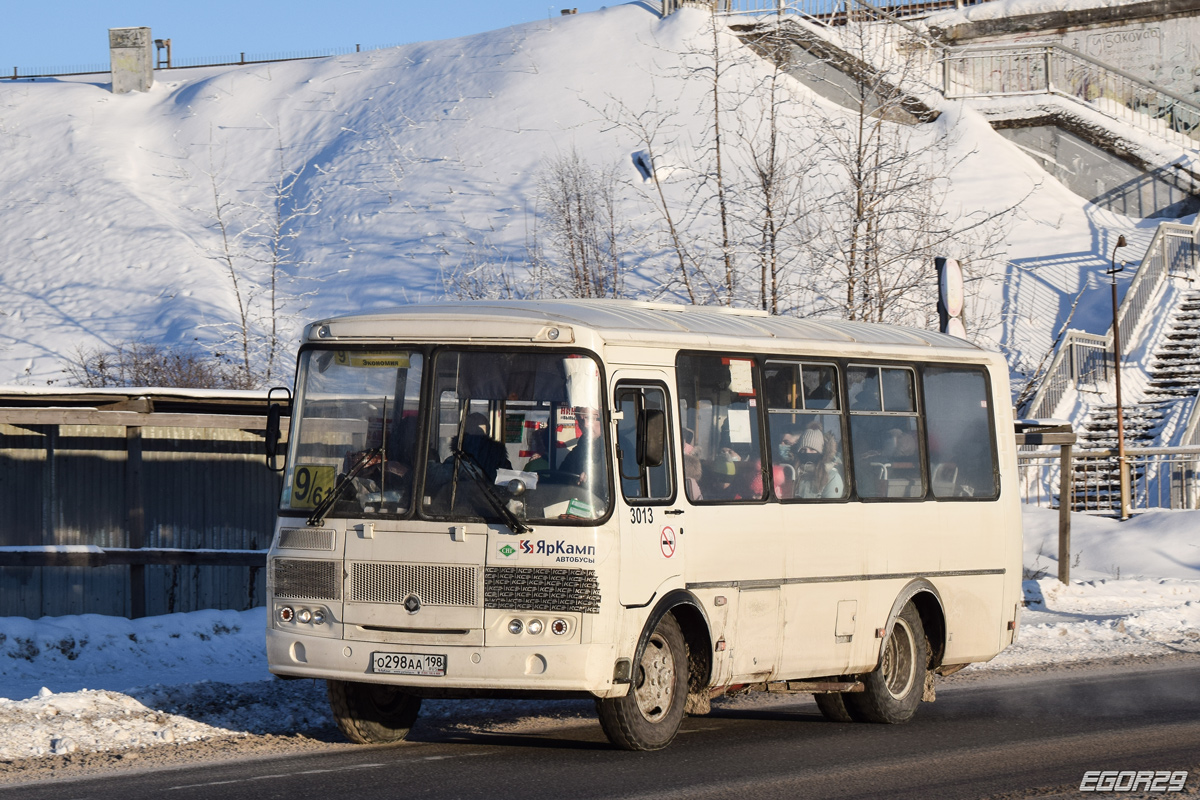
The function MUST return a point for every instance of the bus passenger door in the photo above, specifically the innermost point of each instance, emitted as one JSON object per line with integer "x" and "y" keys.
{"x": 649, "y": 535}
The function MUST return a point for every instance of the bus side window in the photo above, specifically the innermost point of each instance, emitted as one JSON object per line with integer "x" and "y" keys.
{"x": 805, "y": 428}
{"x": 718, "y": 407}
{"x": 884, "y": 432}
{"x": 962, "y": 456}
{"x": 652, "y": 480}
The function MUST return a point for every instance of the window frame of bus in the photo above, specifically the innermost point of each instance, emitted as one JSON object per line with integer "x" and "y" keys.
{"x": 605, "y": 416}
{"x": 300, "y": 392}
{"x": 840, "y": 412}
{"x": 997, "y": 484}
{"x": 915, "y": 368}
{"x": 630, "y": 384}
{"x": 756, "y": 378}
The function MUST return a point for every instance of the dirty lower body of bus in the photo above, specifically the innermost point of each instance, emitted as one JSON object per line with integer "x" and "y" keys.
{"x": 667, "y": 679}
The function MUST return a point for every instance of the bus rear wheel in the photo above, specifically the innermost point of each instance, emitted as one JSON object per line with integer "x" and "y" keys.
{"x": 649, "y": 715}
{"x": 894, "y": 689}
{"x": 372, "y": 713}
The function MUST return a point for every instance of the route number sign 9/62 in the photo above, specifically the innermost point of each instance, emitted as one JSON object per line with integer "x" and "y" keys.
{"x": 311, "y": 484}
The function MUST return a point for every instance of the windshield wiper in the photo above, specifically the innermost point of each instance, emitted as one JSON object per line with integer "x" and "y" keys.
{"x": 472, "y": 468}
{"x": 318, "y": 514}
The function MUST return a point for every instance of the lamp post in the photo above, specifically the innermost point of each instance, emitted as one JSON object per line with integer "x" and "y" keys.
{"x": 1122, "y": 466}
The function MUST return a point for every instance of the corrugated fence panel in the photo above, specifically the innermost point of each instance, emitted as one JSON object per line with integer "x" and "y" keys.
{"x": 201, "y": 489}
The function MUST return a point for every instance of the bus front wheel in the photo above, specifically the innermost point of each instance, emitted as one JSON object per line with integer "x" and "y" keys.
{"x": 649, "y": 715}
{"x": 371, "y": 713}
{"x": 894, "y": 689}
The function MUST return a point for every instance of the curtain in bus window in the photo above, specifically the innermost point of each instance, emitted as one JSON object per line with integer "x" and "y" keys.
{"x": 807, "y": 446}
{"x": 957, "y": 420}
{"x": 718, "y": 406}
{"x": 884, "y": 432}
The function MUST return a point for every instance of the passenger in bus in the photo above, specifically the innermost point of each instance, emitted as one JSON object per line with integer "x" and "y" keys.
{"x": 586, "y": 459}
{"x": 818, "y": 473}
{"x": 539, "y": 451}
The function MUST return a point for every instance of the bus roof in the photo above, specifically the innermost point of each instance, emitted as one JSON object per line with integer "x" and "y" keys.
{"x": 625, "y": 321}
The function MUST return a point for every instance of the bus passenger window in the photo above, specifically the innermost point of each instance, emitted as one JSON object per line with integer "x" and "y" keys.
{"x": 718, "y": 405}
{"x": 962, "y": 455}
{"x": 807, "y": 455}
{"x": 884, "y": 432}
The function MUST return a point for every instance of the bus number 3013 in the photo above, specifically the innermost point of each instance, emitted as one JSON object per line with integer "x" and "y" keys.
{"x": 641, "y": 516}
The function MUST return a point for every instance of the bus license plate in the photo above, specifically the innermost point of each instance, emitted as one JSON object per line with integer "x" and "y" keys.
{"x": 433, "y": 666}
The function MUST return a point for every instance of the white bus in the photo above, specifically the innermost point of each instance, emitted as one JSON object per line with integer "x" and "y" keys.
{"x": 645, "y": 504}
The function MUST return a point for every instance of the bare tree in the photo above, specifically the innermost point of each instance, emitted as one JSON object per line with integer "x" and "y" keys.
{"x": 141, "y": 363}
{"x": 256, "y": 250}
{"x": 583, "y": 229}
{"x": 882, "y": 178}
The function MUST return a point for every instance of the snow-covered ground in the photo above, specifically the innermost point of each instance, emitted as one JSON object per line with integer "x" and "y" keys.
{"x": 92, "y": 683}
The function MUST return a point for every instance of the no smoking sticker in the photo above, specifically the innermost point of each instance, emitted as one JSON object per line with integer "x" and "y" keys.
{"x": 666, "y": 541}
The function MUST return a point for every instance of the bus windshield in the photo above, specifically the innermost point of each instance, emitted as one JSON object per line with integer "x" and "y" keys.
{"x": 501, "y": 437}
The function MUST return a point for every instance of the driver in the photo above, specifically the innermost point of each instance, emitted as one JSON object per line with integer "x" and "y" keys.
{"x": 586, "y": 459}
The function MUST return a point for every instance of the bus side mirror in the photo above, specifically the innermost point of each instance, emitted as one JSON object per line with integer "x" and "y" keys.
{"x": 274, "y": 432}
{"x": 652, "y": 438}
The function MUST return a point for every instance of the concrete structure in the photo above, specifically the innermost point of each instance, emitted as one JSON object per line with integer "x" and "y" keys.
{"x": 1157, "y": 41}
{"x": 131, "y": 51}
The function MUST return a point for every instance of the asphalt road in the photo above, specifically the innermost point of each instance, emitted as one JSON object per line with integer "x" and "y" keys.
{"x": 1004, "y": 736}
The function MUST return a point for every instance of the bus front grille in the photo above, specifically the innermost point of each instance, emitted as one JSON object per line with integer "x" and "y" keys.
{"x": 305, "y": 539}
{"x": 435, "y": 585}
{"x": 306, "y": 579}
{"x": 531, "y": 589}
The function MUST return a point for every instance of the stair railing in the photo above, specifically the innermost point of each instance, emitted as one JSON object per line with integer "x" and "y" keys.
{"x": 1000, "y": 70}
{"x": 1172, "y": 253}
{"x": 1014, "y": 70}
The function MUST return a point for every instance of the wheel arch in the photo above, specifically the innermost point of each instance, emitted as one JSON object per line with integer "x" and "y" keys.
{"x": 928, "y": 602}
{"x": 693, "y": 621}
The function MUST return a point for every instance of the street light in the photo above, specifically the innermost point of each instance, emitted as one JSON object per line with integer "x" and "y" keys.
{"x": 1121, "y": 463}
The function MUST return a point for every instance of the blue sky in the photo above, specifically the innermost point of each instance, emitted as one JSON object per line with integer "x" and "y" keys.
{"x": 74, "y": 32}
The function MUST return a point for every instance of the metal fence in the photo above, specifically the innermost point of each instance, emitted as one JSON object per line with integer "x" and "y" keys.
{"x": 1052, "y": 69}
{"x": 128, "y": 513}
{"x": 60, "y": 71}
{"x": 831, "y": 11}
{"x": 1161, "y": 477}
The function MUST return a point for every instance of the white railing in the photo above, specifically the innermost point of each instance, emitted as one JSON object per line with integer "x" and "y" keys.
{"x": 1172, "y": 253}
{"x": 1010, "y": 70}
{"x": 1081, "y": 358}
{"x": 1162, "y": 477}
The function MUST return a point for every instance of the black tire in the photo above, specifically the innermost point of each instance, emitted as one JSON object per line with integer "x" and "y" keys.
{"x": 649, "y": 715}
{"x": 372, "y": 713}
{"x": 894, "y": 689}
{"x": 833, "y": 707}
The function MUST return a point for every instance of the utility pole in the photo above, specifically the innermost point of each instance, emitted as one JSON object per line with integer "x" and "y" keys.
{"x": 1122, "y": 465}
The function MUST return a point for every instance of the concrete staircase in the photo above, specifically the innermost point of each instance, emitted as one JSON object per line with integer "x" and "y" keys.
{"x": 1175, "y": 371}
{"x": 1171, "y": 385}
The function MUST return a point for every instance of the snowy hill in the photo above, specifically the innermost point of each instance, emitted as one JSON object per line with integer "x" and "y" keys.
{"x": 391, "y": 169}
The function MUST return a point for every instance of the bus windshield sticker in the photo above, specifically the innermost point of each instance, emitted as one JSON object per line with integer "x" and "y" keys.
{"x": 355, "y": 358}
{"x": 310, "y": 485}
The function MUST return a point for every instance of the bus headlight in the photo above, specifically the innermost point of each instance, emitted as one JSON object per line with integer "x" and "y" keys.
{"x": 515, "y": 626}
{"x": 535, "y": 626}
{"x": 304, "y": 615}
{"x": 318, "y": 616}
